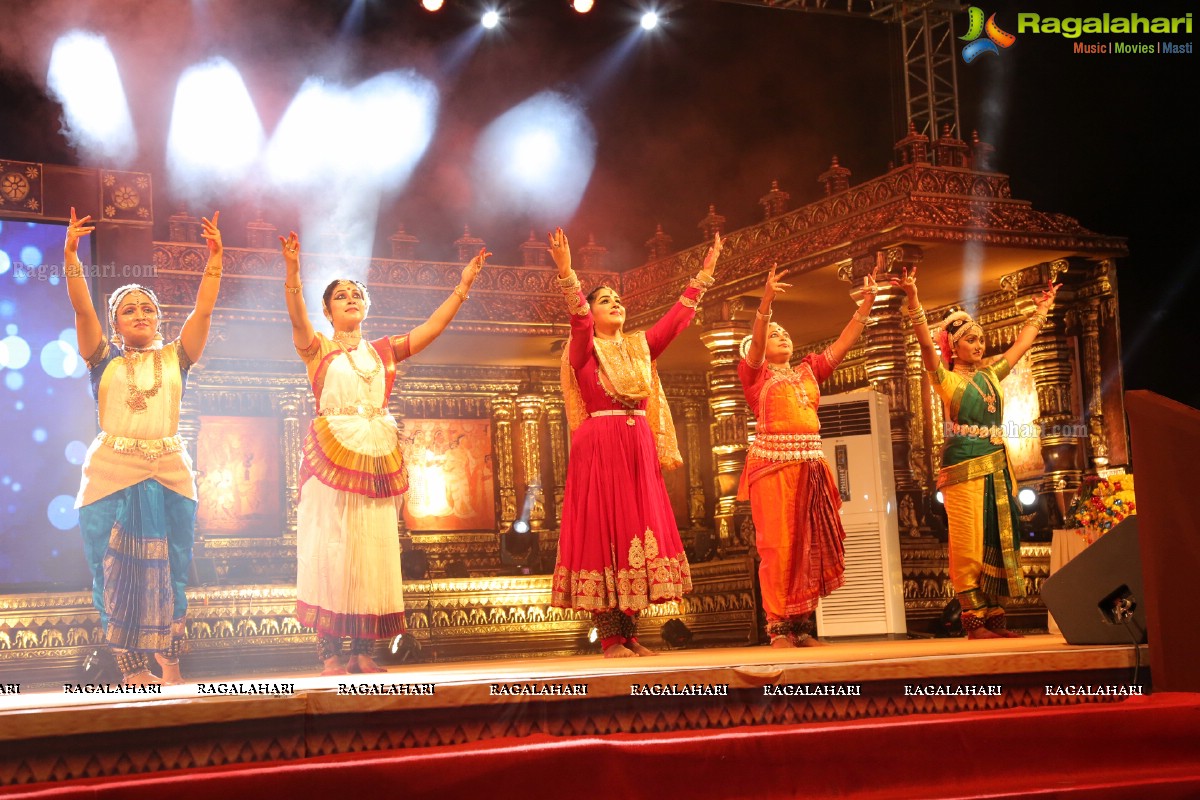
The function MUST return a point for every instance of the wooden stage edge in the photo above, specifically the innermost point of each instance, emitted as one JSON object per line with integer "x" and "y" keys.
{"x": 57, "y": 734}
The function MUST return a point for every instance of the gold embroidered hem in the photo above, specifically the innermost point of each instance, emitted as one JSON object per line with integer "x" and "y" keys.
{"x": 660, "y": 580}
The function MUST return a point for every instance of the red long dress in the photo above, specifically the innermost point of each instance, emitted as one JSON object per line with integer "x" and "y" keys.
{"x": 619, "y": 547}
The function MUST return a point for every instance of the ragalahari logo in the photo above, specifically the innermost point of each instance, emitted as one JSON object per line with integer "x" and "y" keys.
{"x": 976, "y": 27}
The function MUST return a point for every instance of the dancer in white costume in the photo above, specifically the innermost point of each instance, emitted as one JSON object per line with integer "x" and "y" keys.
{"x": 352, "y": 472}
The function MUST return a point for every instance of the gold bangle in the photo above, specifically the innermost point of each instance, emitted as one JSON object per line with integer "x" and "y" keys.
{"x": 292, "y": 289}
{"x": 764, "y": 317}
{"x": 569, "y": 282}
{"x": 860, "y": 319}
{"x": 212, "y": 273}
{"x": 462, "y": 293}
{"x": 73, "y": 272}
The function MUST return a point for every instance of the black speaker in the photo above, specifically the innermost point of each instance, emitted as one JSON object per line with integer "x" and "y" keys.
{"x": 1097, "y": 597}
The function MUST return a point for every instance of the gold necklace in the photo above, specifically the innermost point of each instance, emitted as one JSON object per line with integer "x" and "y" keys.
{"x": 135, "y": 398}
{"x": 366, "y": 376}
{"x": 989, "y": 397}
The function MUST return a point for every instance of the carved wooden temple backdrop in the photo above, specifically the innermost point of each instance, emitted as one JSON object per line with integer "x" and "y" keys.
{"x": 484, "y": 401}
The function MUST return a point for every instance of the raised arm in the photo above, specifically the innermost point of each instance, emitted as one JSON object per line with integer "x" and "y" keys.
{"x": 663, "y": 332}
{"x": 422, "y": 335}
{"x": 908, "y": 285}
{"x": 858, "y": 321}
{"x": 1033, "y": 325}
{"x": 582, "y": 323}
{"x": 762, "y": 318}
{"x": 88, "y": 331}
{"x": 194, "y": 334}
{"x": 302, "y": 329}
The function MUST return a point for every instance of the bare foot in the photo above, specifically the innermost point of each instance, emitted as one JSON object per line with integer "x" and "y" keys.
{"x": 143, "y": 678}
{"x": 171, "y": 675}
{"x": 618, "y": 650}
{"x": 363, "y": 664}
{"x": 333, "y": 666}
{"x": 983, "y": 633}
{"x": 1005, "y": 633}
{"x": 781, "y": 641}
{"x": 641, "y": 650}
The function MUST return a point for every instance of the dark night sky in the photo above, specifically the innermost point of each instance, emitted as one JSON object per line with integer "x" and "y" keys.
{"x": 726, "y": 99}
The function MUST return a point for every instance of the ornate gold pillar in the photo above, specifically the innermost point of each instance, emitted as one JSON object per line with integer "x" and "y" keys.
{"x": 731, "y": 424}
{"x": 886, "y": 352}
{"x": 290, "y": 404}
{"x": 1064, "y": 450}
{"x": 693, "y": 414}
{"x": 1093, "y": 380}
{"x": 919, "y": 439}
{"x": 530, "y": 406}
{"x": 503, "y": 411}
{"x": 556, "y": 423}
{"x": 189, "y": 419}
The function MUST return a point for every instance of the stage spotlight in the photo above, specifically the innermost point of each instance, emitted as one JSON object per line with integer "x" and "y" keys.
{"x": 99, "y": 666}
{"x": 940, "y": 498}
{"x": 649, "y": 21}
{"x": 431, "y": 5}
{"x": 950, "y": 623}
{"x": 358, "y": 140}
{"x": 593, "y": 635}
{"x": 536, "y": 158}
{"x": 207, "y": 150}
{"x": 1034, "y": 516}
{"x": 675, "y": 634}
{"x": 406, "y": 648}
{"x": 83, "y": 77}
{"x": 582, "y": 6}
{"x": 490, "y": 19}
{"x": 414, "y": 565}
{"x": 520, "y": 526}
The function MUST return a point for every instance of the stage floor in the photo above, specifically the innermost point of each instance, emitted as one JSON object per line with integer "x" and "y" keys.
{"x": 917, "y": 662}
{"x": 73, "y": 730}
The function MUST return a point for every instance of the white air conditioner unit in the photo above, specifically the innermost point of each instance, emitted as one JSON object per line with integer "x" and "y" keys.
{"x": 856, "y": 438}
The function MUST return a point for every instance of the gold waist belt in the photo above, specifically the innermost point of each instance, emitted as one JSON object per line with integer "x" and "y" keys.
{"x": 787, "y": 447}
{"x": 621, "y": 412}
{"x": 994, "y": 433}
{"x": 149, "y": 449}
{"x": 370, "y": 412}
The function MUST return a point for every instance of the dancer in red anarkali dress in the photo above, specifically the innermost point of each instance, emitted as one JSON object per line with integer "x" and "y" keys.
{"x": 619, "y": 549}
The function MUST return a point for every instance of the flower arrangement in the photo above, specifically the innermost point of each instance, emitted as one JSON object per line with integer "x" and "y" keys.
{"x": 1100, "y": 504}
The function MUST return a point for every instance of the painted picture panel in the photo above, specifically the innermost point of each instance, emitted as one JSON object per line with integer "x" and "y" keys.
{"x": 451, "y": 486}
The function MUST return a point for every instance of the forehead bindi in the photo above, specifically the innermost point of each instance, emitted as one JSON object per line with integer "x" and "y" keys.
{"x": 134, "y": 301}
